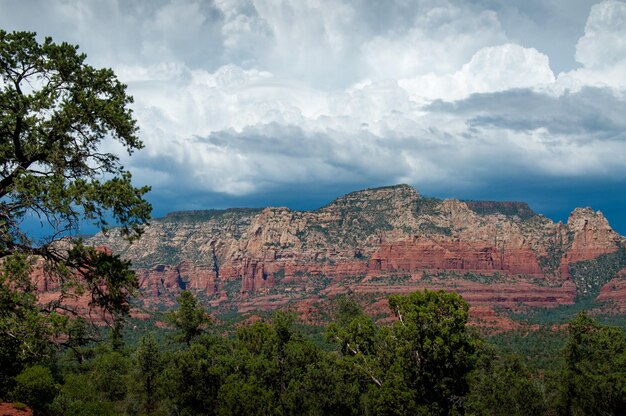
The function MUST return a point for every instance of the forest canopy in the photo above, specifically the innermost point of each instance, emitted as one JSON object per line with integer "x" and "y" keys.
{"x": 429, "y": 363}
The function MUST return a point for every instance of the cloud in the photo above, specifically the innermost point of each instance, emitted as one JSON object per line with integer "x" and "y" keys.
{"x": 601, "y": 51}
{"x": 491, "y": 69}
{"x": 374, "y": 132}
{"x": 247, "y": 131}
{"x": 245, "y": 34}
{"x": 241, "y": 98}
{"x": 576, "y": 135}
{"x": 604, "y": 42}
{"x": 592, "y": 112}
{"x": 440, "y": 40}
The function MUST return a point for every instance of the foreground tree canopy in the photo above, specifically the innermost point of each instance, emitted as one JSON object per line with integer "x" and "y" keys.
{"x": 427, "y": 363}
{"x": 56, "y": 113}
{"x": 418, "y": 365}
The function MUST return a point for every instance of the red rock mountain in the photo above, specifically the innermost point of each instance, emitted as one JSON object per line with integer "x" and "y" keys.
{"x": 375, "y": 242}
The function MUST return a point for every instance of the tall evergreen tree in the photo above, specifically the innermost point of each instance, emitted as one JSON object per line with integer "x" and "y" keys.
{"x": 149, "y": 365}
{"x": 594, "y": 378}
{"x": 190, "y": 318}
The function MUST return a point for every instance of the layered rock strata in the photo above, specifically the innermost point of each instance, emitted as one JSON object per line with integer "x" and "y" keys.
{"x": 383, "y": 240}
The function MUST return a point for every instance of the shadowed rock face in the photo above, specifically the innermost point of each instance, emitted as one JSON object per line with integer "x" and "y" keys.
{"x": 379, "y": 241}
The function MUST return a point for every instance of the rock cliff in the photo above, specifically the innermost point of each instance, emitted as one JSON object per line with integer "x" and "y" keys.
{"x": 375, "y": 242}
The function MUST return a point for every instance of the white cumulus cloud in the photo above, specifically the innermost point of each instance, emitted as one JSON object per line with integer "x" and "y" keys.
{"x": 604, "y": 42}
{"x": 440, "y": 40}
{"x": 601, "y": 50}
{"x": 491, "y": 69}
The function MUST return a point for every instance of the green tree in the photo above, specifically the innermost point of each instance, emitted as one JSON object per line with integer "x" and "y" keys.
{"x": 420, "y": 364}
{"x": 148, "y": 368}
{"x": 193, "y": 376}
{"x": 246, "y": 397}
{"x": 327, "y": 385}
{"x": 109, "y": 375}
{"x": 190, "y": 318}
{"x": 23, "y": 329}
{"x": 273, "y": 369}
{"x": 55, "y": 114}
{"x": 434, "y": 347}
{"x": 35, "y": 387}
{"x": 80, "y": 397}
{"x": 358, "y": 338}
{"x": 594, "y": 378}
{"x": 503, "y": 386}
{"x": 99, "y": 384}
{"x": 56, "y": 111}
{"x": 346, "y": 309}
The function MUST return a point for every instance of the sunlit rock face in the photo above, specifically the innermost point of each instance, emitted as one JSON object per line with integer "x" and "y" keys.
{"x": 374, "y": 242}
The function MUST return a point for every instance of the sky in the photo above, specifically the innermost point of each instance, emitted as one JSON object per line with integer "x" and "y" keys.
{"x": 296, "y": 102}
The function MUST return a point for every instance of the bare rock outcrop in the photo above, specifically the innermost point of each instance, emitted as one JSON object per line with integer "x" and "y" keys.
{"x": 380, "y": 241}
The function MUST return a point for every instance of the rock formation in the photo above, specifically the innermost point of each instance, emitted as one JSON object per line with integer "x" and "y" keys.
{"x": 372, "y": 242}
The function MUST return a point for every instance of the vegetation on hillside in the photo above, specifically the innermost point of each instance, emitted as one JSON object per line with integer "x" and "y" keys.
{"x": 209, "y": 214}
{"x": 510, "y": 209}
{"x": 591, "y": 275}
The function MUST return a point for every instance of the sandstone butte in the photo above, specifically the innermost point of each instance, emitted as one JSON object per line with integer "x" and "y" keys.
{"x": 497, "y": 255}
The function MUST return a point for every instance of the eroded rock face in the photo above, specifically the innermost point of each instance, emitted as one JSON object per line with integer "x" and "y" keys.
{"x": 614, "y": 292}
{"x": 592, "y": 235}
{"x": 455, "y": 255}
{"x": 162, "y": 279}
{"x": 384, "y": 235}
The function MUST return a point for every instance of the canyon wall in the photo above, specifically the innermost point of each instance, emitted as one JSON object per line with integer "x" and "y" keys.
{"x": 376, "y": 241}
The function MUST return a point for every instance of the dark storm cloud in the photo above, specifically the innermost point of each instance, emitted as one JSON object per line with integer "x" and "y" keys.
{"x": 596, "y": 113}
